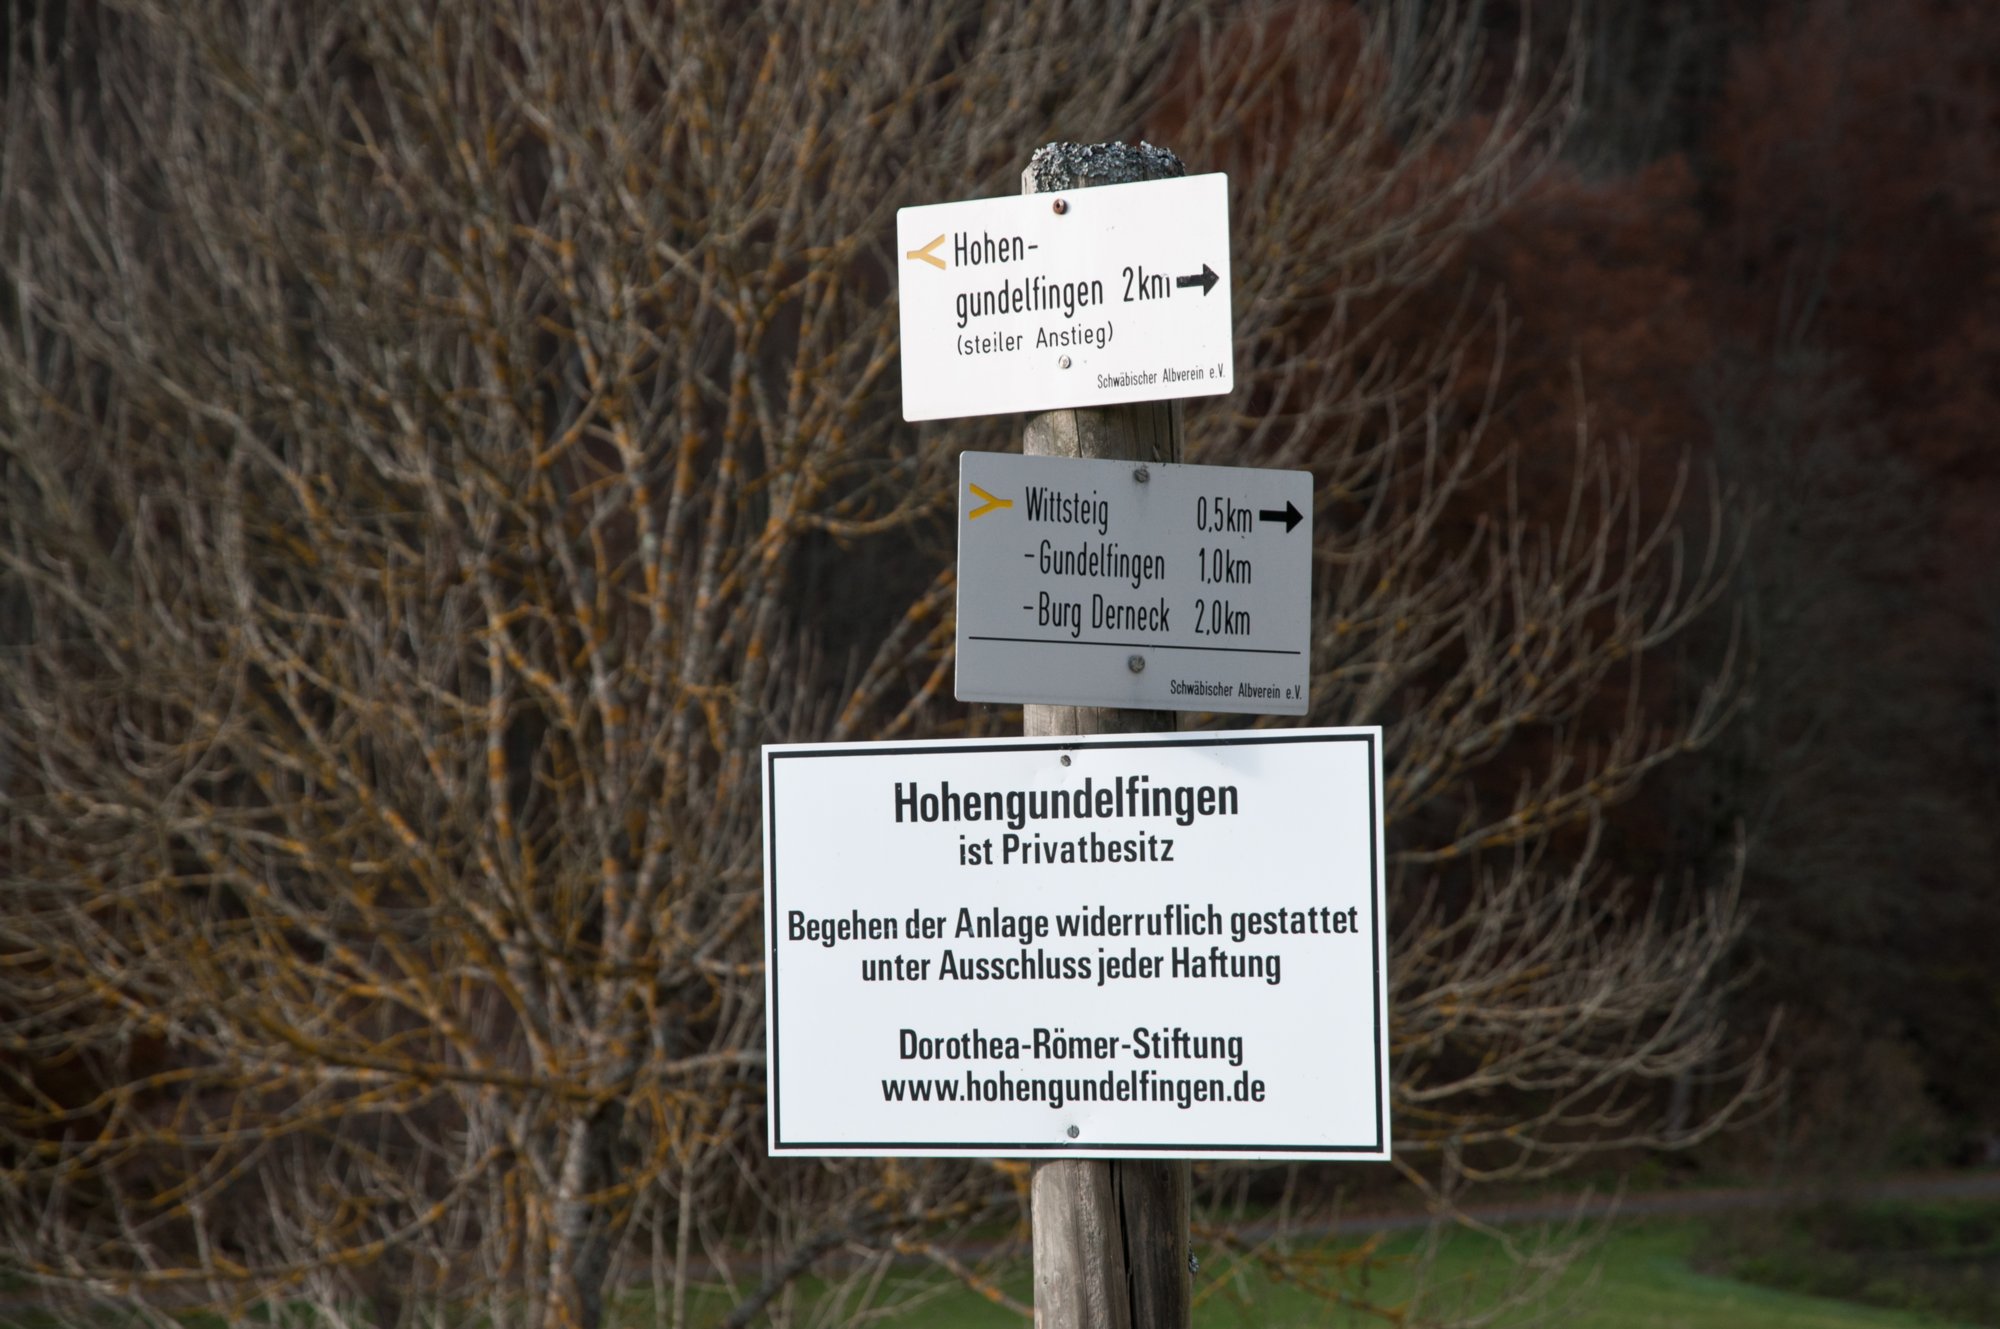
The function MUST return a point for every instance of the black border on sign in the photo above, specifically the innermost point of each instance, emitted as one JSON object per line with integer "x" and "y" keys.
{"x": 993, "y": 1148}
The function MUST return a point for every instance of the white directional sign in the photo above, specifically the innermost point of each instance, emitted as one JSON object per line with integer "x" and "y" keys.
{"x": 1112, "y": 583}
{"x": 1159, "y": 946}
{"x": 1084, "y": 298}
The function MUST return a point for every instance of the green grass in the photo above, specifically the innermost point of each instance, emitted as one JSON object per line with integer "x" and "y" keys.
{"x": 1941, "y": 1257}
{"x": 1639, "y": 1276}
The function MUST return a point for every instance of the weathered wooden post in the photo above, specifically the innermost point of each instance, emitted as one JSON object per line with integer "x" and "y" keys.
{"x": 1110, "y": 1236}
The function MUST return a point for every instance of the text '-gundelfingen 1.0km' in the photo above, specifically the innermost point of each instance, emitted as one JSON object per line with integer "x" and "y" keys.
{"x": 1154, "y": 587}
{"x": 1168, "y": 946}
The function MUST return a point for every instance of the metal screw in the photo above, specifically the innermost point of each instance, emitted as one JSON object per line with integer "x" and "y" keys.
{"x": 1064, "y": 362}
{"x": 1061, "y": 206}
{"x": 1065, "y": 758}
{"x": 1074, "y": 1132}
{"x": 1142, "y": 475}
{"x": 1136, "y": 663}
{"x": 1194, "y": 1263}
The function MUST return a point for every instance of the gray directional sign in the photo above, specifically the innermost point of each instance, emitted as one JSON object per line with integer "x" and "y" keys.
{"x": 1151, "y": 586}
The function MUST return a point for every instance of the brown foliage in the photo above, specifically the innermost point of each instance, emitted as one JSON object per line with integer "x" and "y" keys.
{"x": 1501, "y": 579}
{"x": 1853, "y": 195}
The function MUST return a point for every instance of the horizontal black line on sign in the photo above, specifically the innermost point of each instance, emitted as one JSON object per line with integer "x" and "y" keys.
{"x": 1139, "y": 645}
{"x": 1068, "y": 743}
{"x": 988, "y": 1147}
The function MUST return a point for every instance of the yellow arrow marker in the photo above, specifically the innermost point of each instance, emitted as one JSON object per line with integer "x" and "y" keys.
{"x": 991, "y": 502}
{"x": 925, "y": 255}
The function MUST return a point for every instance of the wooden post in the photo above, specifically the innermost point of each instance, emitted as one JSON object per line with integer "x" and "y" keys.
{"x": 1111, "y": 1237}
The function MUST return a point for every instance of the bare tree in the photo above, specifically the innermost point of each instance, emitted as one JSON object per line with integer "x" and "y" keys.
{"x": 439, "y": 443}
{"x": 419, "y": 421}
{"x": 1493, "y": 596}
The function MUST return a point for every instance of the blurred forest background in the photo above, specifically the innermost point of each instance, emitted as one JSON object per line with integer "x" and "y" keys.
{"x": 439, "y": 442}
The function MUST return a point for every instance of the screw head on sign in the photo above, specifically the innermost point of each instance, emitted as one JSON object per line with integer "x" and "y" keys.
{"x": 1074, "y": 1132}
{"x": 1136, "y": 663}
{"x": 1061, "y": 206}
{"x": 1142, "y": 475}
{"x": 1064, "y": 362}
{"x": 1065, "y": 758}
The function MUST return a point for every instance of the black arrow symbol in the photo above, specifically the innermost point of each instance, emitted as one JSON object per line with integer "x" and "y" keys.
{"x": 1206, "y": 279}
{"x": 1291, "y": 516}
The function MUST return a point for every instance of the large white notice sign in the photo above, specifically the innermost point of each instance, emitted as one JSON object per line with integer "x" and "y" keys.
{"x": 1164, "y": 946}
